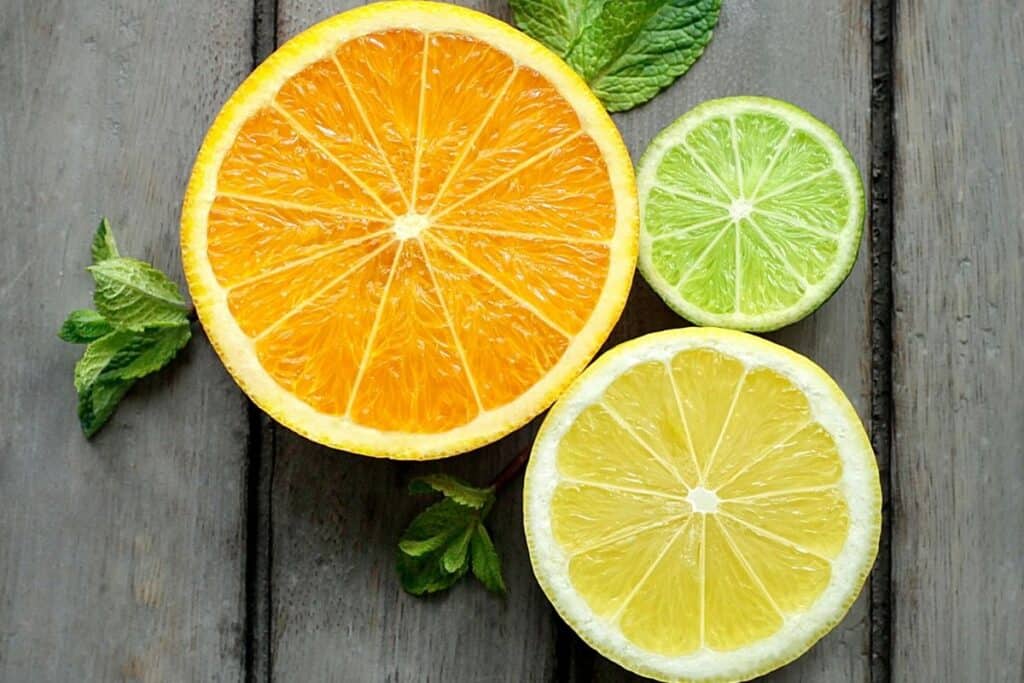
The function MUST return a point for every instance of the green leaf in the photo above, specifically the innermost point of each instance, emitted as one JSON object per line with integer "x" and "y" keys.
{"x": 98, "y": 402}
{"x": 424, "y": 575}
{"x": 84, "y": 326}
{"x": 453, "y": 488}
{"x": 555, "y": 23}
{"x": 435, "y": 527}
{"x": 430, "y": 548}
{"x": 456, "y": 555}
{"x": 129, "y": 354}
{"x": 135, "y": 295}
{"x": 111, "y": 364}
{"x": 626, "y": 50}
{"x": 485, "y": 561}
{"x": 103, "y": 245}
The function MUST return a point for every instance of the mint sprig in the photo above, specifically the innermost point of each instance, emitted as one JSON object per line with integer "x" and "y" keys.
{"x": 140, "y": 324}
{"x": 626, "y": 50}
{"x": 449, "y": 539}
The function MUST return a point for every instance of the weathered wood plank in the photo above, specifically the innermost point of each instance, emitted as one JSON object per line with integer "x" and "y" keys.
{"x": 120, "y": 558}
{"x": 338, "y": 612}
{"x": 818, "y": 56}
{"x": 958, "y": 490}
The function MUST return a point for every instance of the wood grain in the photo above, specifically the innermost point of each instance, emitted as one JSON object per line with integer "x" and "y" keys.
{"x": 958, "y": 492}
{"x": 120, "y": 558}
{"x": 338, "y": 612}
{"x": 817, "y": 56}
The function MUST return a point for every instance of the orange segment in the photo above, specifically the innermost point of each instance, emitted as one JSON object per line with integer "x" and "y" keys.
{"x": 321, "y": 101}
{"x": 532, "y": 116}
{"x": 274, "y": 236}
{"x": 551, "y": 275}
{"x": 316, "y": 353}
{"x": 563, "y": 190}
{"x": 414, "y": 378}
{"x": 271, "y": 298}
{"x": 409, "y": 230}
{"x": 465, "y": 82}
{"x": 523, "y": 350}
{"x": 385, "y": 70}
{"x": 272, "y": 161}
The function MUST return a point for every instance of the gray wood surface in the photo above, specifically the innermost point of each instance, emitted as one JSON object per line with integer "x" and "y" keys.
{"x": 958, "y": 536}
{"x": 121, "y": 559}
{"x": 126, "y": 558}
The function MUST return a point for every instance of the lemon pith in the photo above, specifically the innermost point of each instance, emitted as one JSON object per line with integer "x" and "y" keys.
{"x": 702, "y": 505}
{"x": 236, "y": 348}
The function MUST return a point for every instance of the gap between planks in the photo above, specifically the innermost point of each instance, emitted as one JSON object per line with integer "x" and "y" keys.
{"x": 260, "y": 453}
{"x": 882, "y": 140}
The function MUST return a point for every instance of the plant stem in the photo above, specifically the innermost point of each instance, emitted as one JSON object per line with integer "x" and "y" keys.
{"x": 512, "y": 470}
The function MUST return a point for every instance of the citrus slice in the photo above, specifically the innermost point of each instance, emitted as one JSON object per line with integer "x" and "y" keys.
{"x": 752, "y": 213}
{"x": 702, "y": 505}
{"x": 409, "y": 230}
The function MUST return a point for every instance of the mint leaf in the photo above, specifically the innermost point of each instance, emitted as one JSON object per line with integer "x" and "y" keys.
{"x": 135, "y": 295}
{"x": 140, "y": 325}
{"x": 435, "y": 550}
{"x": 84, "y": 326}
{"x": 432, "y": 554}
{"x": 97, "y": 403}
{"x": 555, "y": 23}
{"x": 103, "y": 245}
{"x": 453, "y": 488}
{"x": 626, "y": 50}
{"x": 129, "y": 354}
{"x": 456, "y": 555}
{"x": 111, "y": 364}
{"x": 425, "y": 575}
{"x": 434, "y": 527}
{"x": 485, "y": 561}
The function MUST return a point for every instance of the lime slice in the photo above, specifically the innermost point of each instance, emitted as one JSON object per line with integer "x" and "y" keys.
{"x": 752, "y": 213}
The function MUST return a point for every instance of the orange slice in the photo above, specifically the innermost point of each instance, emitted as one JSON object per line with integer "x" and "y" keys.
{"x": 409, "y": 230}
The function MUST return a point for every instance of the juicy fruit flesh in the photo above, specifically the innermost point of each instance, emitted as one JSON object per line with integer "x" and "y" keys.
{"x": 699, "y": 503}
{"x": 746, "y": 214}
{"x": 413, "y": 231}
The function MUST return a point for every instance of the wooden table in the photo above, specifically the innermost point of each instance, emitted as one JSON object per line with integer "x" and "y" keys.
{"x": 193, "y": 540}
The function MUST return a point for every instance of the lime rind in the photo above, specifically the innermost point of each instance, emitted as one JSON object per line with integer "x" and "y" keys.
{"x": 669, "y": 189}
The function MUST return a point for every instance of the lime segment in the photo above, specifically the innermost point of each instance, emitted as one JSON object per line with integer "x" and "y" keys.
{"x": 752, "y": 213}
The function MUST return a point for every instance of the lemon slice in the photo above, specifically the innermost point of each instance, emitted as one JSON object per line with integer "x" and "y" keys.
{"x": 702, "y": 505}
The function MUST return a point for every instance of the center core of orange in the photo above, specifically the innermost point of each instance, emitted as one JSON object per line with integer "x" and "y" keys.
{"x": 410, "y": 225}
